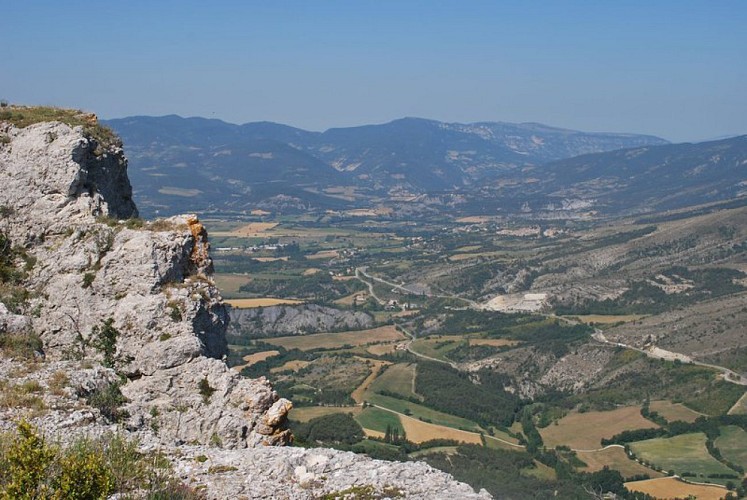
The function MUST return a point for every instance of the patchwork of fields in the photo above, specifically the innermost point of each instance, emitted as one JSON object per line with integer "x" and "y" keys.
{"x": 375, "y": 374}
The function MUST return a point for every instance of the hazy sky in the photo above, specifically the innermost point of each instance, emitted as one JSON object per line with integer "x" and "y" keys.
{"x": 676, "y": 68}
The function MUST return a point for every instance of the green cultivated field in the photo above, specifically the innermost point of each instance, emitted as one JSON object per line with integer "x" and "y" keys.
{"x": 437, "y": 348}
{"x": 377, "y": 419}
{"x": 419, "y": 411}
{"x": 733, "y": 444}
{"x": 684, "y": 453}
{"x": 397, "y": 379}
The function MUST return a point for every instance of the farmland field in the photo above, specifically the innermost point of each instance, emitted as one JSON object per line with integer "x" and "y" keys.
{"x": 435, "y": 347}
{"x": 358, "y": 393}
{"x": 493, "y": 342}
{"x": 584, "y": 431}
{"x": 260, "y": 302}
{"x": 379, "y": 349}
{"x": 229, "y": 284}
{"x": 603, "y": 319}
{"x": 614, "y": 457}
{"x": 397, "y": 379}
{"x": 255, "y": 358}
{"x": 324, "y": 254}
{"x": 376, "y": 419}
{"x": 740, "y": 407}
{"x": 294, "y": 365}
{"x": 671, "y": 488}
{"x": 733, "y": 444}
{"x": 306, "y": 413}
{"x": 332, "y": 340}
{"x": 251, "y": 230}
{"x": 419, "y": 431}
{"x": 457, "y": 257}
{"x": 684, "y": 453}
{"x": 674, "y": 411}
{"x": 420, "y": 411}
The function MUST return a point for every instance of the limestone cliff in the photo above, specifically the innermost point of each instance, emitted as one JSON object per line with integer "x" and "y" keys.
{"x": 65, "y": 199}
{"x": 116, "y": 300}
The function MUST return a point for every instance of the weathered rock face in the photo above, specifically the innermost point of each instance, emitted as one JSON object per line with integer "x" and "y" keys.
{"x": 152, "y": 281}
{"x": 80, "y": 184}
{"x": 295, "y": 320}
{"x": 313, "y": 473}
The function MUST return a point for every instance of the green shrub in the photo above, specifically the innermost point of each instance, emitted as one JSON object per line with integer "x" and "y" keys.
{"x": 30, "y": 468}
{"x": 205, "y": 390}
{"x": 20, "y": 345}
{"x": 105, "y": 340}
{"x": 25, "y": 465}
{"x": 88, "y": 279}
{"x": 176, "y": 312}
{"x": 109, "y": 401}
{"x": 83, "y": 473}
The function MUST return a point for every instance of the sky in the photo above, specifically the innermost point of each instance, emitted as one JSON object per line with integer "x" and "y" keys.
{"x": 672, "y": 68}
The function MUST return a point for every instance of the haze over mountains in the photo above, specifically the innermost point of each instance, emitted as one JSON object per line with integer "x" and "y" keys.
{"x": 197, "y": 164}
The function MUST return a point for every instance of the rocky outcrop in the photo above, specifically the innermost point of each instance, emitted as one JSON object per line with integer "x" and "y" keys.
{"x": 313, "y": 473}
{"x": 79, "y": 185}
{"x": 295, "y": 320}
{"x": 148, "y": 284}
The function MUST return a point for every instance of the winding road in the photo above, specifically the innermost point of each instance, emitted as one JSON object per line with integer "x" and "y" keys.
{"x": 658, "y": 353}
{"x": 729, "y": 375}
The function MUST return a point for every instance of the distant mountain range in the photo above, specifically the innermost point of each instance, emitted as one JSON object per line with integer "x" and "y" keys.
{"x": 196, "y": 164}
{"x": 645, "y": 179}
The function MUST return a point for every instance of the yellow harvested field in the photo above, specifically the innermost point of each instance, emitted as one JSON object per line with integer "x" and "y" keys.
{"x": 259, "y": 212}
{"x": 255, "y": 358}
{"x": 251, "y": 230}
{"x": 343, "y": 278}
{"x": 261, "y": 302}
{"x": 584, "y": 431}
{"x": 740, "y": 407}
{"x": 475, "y": 219}
{"x": 466, "y": 256}
{"x": 294, "y": 365}
{"x": 374, "y": 434}
{"x": 323, "y": 254}
{"x": 175, "y": 191}
{"x": 306, "y": 413}
{"x": 419, "y": 432}
{"x": 260, "y": 356}
{"x": 330, "y": 340}
{"x": 674, "y": 411}
{"x": 666, "y": 488}
{"x": 604, "y": 319}
{"x": 468, "y": 248}
{"x": 381, "y": 349}
{"x": 493, "y": 342}
{"x": 361, "y": 212}
{"x": 310, "y": 271}
{"x": 358, "y": 393}
{"x": 615, "y": 458}
{"x": 405, "y": 314}
{"x": 270, "y": 259}
{"x": 230, "y": 283}
{"x": 347, "y": 300}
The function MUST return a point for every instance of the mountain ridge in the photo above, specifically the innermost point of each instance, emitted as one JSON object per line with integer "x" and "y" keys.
{"x": 175, "y": 160}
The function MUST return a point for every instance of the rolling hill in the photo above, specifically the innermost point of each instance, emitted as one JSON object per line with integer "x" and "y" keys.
{"x": 196, "y": 164}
